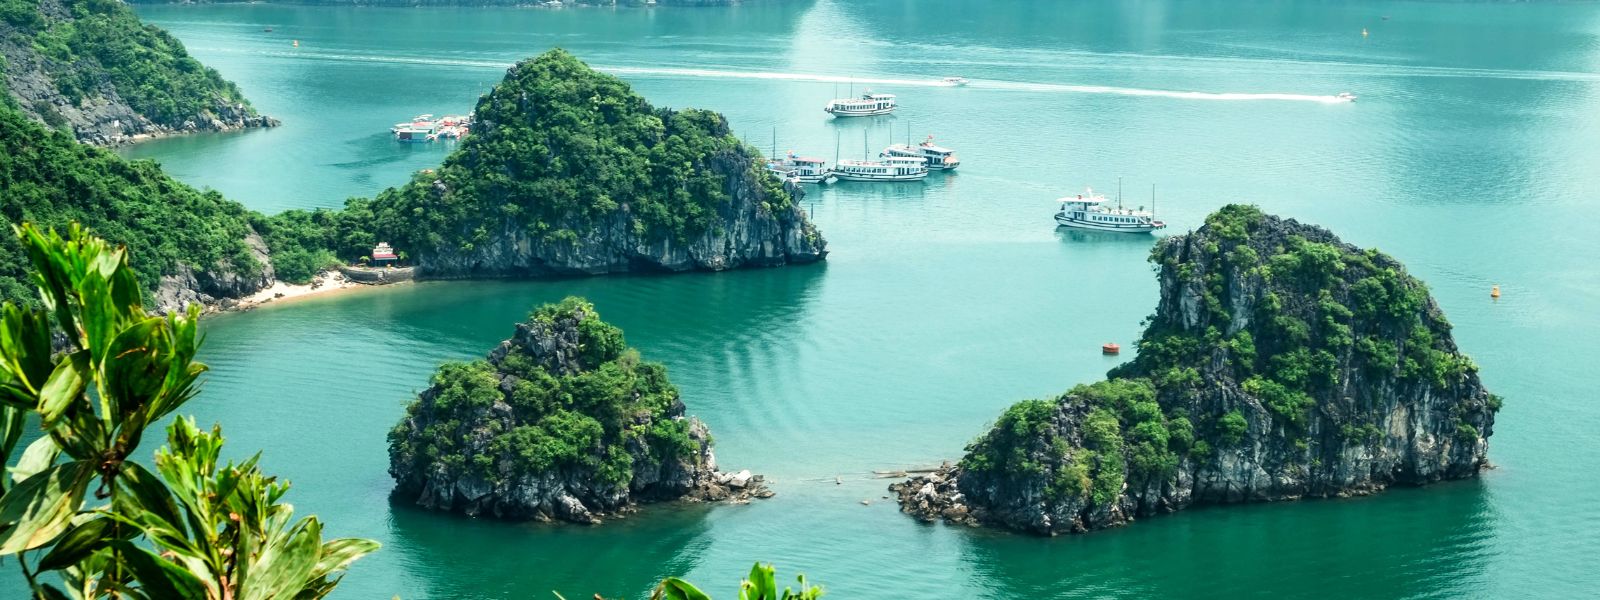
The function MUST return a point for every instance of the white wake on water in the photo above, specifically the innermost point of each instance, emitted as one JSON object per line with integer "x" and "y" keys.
{"x": 719, "y": 73}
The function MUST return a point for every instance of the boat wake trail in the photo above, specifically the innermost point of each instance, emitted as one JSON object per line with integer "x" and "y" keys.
{"x": 978, "y": 84}
{"x": 1016, "y": 86}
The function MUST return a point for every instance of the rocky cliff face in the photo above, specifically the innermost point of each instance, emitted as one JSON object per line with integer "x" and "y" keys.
{"x": 218, "y": 287}
{"x": 56, "y": 69}
{"x": 750, "y": 235}
{"x": 1281, "y": 363}
{"x": 561, "y": 422}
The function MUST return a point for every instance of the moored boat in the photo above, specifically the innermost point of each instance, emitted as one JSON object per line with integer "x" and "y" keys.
{"x": 894, "y": 168}
{"x": 1090, "y": 211}
{"x": 804, "y": 169}
{"x": 867, "y": 105}
{"x": 938, "y": 157}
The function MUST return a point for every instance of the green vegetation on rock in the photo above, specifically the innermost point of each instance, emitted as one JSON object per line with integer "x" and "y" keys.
{"x": 559, "y": 148}
{"x": 563, "y": 420}
{"x": 1280, "y": 363}
{"x": 49, "y": 179}
{"x": 90, "y": 49}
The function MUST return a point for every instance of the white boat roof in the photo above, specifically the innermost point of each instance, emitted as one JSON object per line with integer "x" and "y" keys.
{"x": 879, "y": 96}
{"x": 1091, "y": 199}
{"x": 807, "y": 159}
{"x": 936, "y": 148}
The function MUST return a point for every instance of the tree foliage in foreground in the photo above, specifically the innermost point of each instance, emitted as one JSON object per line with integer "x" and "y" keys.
{"x": 81, "y": 516}
{"x": 762, "y": 584}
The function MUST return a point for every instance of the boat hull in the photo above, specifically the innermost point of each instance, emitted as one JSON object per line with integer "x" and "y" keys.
{"x": 841, "y": 112}
{"x": 1066, "y": 221}
{"x": 846, "y": 176}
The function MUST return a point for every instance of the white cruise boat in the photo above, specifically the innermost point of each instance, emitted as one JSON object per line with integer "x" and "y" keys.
{"x": 896, "y": 168}
{"x": 804, "y": 169}
{"x": 939, "y": 158}
{"x": 1089, "y": 211}
{"x": 867, "y": 105}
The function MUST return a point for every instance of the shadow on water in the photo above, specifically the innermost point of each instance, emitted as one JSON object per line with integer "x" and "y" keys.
{"x": 1406, "y": 543}
{"x": 1084, "y": 236}
{"x": 460, "y": 557}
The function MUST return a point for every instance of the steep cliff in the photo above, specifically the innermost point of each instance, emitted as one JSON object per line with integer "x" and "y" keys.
{"x": 188, "y": 245}
{"x": 1281, "y": 363}
{"x": 569, "y": 172}
{"x": 561, "y": 421}
{"x": 92, "y": 68}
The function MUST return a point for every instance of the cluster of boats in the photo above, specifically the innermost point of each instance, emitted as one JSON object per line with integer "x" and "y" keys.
{"x": 898, "y": 162}
{"x": 425, "y": 128}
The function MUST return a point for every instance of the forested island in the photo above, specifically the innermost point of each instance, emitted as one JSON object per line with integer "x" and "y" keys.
{"x": 92, "y": 69}
{"x": 562, "y": 421}
{"x": 1281, "y": 363}
{"x": 571, "y": 174}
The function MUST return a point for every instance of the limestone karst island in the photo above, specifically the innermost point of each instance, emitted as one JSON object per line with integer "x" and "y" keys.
{"x": 794, "y": 299}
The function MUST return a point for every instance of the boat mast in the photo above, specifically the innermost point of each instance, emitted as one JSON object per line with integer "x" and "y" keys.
{"x": 836, "y": 148}
{"x": 774, "y": 142}
{"x": 1119, "y": 193}
{"x": 1152, "y": 201}
{"x": 863, "y": 145}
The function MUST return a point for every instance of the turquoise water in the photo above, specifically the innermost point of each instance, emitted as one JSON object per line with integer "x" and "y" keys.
{"x": 1470, "y": 156}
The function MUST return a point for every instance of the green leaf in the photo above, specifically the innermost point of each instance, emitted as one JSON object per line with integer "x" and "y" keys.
{"x": 762, "y": 584}
{"x": 65, "y": 384}
{"x": 338, "y": 554}
{"x": 284, "y": 567}
{"x": 82, "y": 540}
{"x": 159, "y": 578}
{"x": 11, "y": 423}
{"x": 673, "y": 588}
{"x": 41, "y": 507}
{"x": 147, "y": 493}
{"x": 39, "y": 456}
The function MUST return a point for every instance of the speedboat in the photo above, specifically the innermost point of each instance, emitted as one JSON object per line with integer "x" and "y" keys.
{"x": 1346, "y": 96}
{"x": 1090, "y": 211}
{"x": 954, "y": 81}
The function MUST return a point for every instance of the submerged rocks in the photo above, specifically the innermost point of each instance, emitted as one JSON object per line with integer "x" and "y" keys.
{"x": 562, "y": 421}
{"x": 1281, "y": 363}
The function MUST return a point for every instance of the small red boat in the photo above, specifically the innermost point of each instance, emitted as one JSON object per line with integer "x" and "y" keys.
{"x": 1110, "y": 349}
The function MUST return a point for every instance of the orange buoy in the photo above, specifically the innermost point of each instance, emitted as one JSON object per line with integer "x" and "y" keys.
{"x": 1110, "y": 349}
{"x": 1494, "y": 292}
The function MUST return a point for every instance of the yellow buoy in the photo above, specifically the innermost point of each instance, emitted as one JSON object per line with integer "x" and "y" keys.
{"x": 1494, "y": 292}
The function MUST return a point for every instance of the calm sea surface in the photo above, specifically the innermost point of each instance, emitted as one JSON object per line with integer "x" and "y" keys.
{"x": 1473, "y": 155}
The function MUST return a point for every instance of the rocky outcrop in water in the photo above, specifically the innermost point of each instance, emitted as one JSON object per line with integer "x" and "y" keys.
{"x": 1281, "y": 364}
{"x": 562, "y": 421}
{"x": 94, "y": 70}
{"x": 568, "y": 172}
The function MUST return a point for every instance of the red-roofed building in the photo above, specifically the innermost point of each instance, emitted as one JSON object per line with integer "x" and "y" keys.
{"x": 382, "y": 254}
